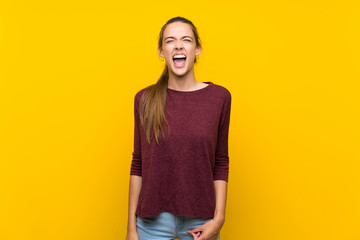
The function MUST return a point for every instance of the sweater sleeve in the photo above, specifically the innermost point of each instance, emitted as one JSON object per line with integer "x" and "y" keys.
{"x": 221, "y": 168}
{"x": 136, "y": 164}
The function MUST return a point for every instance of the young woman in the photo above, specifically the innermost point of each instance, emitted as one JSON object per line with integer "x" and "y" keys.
{"x": 179, "y": 171}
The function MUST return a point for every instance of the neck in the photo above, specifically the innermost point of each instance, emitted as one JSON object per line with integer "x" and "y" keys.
{"x": 186, "y": 82}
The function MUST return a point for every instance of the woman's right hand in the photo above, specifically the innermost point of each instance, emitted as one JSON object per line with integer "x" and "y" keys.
{"x": 132, "y": 236}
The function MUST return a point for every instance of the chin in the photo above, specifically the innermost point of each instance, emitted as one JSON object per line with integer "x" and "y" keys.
{"x": 180, "y": 72}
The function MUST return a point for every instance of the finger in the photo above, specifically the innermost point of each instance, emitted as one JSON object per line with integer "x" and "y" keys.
{"x": 195, "y": 235}
{"x": 198, "y": 235}
{"x": 197, "y": 229}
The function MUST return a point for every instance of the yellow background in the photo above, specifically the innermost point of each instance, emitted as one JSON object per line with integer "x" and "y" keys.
{"x": 69, "y": 73}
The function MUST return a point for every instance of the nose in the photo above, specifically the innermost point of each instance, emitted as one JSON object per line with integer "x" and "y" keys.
{"x": 178, "y": 45}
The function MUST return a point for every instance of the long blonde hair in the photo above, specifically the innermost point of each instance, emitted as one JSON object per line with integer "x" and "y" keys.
{"x": 153, "y": 100}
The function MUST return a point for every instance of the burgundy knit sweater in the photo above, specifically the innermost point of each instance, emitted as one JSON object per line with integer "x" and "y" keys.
{"x": 178, "y": 174}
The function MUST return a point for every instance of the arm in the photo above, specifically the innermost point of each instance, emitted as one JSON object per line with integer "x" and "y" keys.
{"x": 221, "y": 169}
{"x": 221, "y": 194}
{"x": 135, "y": 173}
{"x": 134, "y": 190}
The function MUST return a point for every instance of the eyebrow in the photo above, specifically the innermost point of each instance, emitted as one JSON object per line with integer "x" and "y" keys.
{"x": 174, "y": 37}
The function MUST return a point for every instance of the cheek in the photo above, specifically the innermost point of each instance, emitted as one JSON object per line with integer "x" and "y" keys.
{"x": 168, "y": 49}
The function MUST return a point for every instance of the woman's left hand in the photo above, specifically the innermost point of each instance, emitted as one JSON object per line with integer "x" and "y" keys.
{"x": 209, "y": 230}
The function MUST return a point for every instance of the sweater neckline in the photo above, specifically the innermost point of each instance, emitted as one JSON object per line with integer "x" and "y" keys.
{"x": 209, "y": 84}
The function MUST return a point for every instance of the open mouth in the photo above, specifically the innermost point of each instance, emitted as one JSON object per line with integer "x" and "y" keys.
{"x": 179, "y": 60}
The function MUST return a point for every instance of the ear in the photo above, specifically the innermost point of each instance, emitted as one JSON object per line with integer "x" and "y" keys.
{"x": 198, "y": 50}
{"x": 160, "y": 52}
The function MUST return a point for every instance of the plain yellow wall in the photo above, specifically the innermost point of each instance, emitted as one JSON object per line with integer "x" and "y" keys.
{"x": 69, "y": 73}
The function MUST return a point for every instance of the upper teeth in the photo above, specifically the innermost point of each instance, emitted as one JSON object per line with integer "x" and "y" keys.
{"x": 179, "y": 56}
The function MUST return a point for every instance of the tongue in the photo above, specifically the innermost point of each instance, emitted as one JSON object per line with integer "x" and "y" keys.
{"x": 179, "y": 62}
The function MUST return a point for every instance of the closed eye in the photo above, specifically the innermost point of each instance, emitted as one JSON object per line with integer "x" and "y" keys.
{"x": 184, "y": 40}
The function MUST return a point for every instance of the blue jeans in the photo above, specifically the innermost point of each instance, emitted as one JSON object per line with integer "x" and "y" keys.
{"x": 167, "y": 226}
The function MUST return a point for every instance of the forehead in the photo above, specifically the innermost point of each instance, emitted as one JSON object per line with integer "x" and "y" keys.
{"x": 178, "y": 29}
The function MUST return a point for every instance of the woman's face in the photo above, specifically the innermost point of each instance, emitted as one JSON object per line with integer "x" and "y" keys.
{"x": 179, "y": 40}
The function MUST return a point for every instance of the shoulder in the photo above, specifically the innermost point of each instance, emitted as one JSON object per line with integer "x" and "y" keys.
{"x": 140, "y": 92}
{"x": 137, "y": 97}
{"x": 221, "y": 91}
